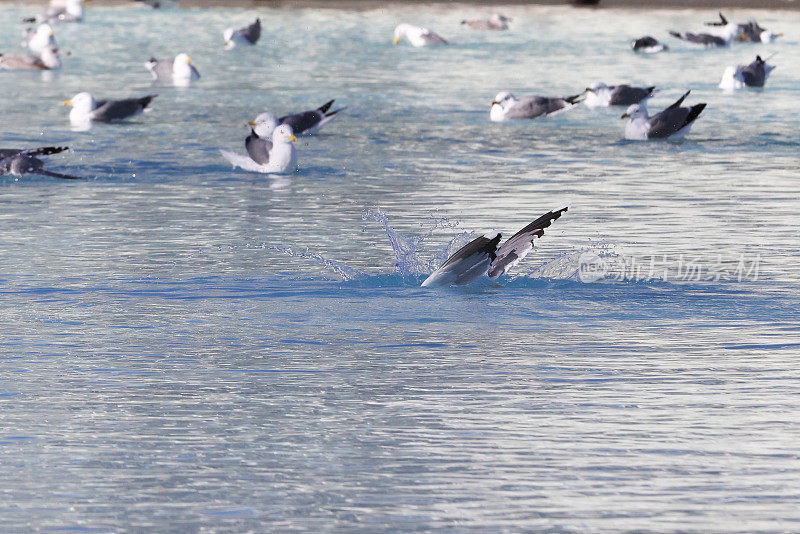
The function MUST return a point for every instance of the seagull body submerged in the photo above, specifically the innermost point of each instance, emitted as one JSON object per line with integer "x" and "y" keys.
{"x": 753, "y": 75}
{"x": 24, "y": 161}
{"x": 648, "y": 45}
{"x": 483, "y": 256}
{"x": 417, "y": 36}
{"x": 246, "y": 36}
{"x": 672, "y": 123}
{"x": 601, "y": 95}
{"x": 506, "y": 106}
{"x": 179, "y": 71}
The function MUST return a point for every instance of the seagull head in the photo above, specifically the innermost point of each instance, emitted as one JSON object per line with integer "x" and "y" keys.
{"x": 264, "y": 124}
{"x": 82, "y": 101}
{"x": 596, "y": 86}
{"x": 399, "y": 31}
{"x": 283, "y": 134}
{"x": 503, "y": 99}
{"x": 227, "y": 35}
{"x": 636, "y": 111}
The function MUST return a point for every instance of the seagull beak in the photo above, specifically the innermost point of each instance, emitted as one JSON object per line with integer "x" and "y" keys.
{"x": 495, "y": 102}
{"x": 66, "y": 103}
{"x": 188, "y": 60}
{"x": 625, "y": 116}
{"x": 743, "y": 37}
{"x": 51, "y": 33}
{"x": 292, "y": 138}
{"x": 63, "y": 52}
{"x": 589, "y": 90}
{"x": 778, "y": 35}
{"x": 252, "y": 123}
{"x": 395, "y": 40}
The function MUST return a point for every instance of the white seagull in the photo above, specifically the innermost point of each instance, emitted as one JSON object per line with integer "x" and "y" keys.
{"x": 483, "y": 256}
{"x": 271, "y": 157}
{"x": 85, "y": 109}
{"x": 179, "y": 71}
{"x": 506, "y": 106}
{"x": 417, "y": 36}
{"x": 64, "y": 11}
{"x": 672, "y": 123}
{"x": 601, "y": 95}
{"x": 36, "y": 39}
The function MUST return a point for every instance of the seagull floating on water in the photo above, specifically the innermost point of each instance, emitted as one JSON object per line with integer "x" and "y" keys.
{"x": 721, "y": 38}
{"x": 179, "y": 71}
{"x": 47, "y": 60}
{"x": 749, "y": 31}
{"x": 36, "y": 39}
{"x": 495, "y": 22}
{"x": 417, "y": 36}
{"x": 648, "y": 45}
{"x": 24, "y": 161}
{"x": 753, "y": 75}
{"x": 243, "y": 36}
{"x": 599, "y": 94}
{"x": 483, "y": 256}
{"x": 65, "y": 11}
{"x": 272, "y": 157}
{"x": 85, "y": 109}
{"x": 506, "y": 106}
{"x": 303, "y": 123}
{"x": 672, "y": 123}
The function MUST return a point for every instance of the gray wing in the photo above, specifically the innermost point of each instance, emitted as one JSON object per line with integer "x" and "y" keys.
{"x": 110, "y": 110}
{"x": 517, "y": 246}
{"x": 21, "y": 62}
{"x": 431, "y": 38}
{"x": 252, "y": 32}
{"x": 195, "y": 72}
{"x": 8, "y": 152}
{"x": 673, "y": 119}
{"x": 700, "y": 38}
{"x": 536, "y": 106}
{"x": 258, "y": 148}
{"x": 625, "y": 95}
{"x": 163, "y": 69}
{"x": 468, "y": 263}
{"x": 300, "y": 122}
{"x": 754, "y": 74}
{"x": 477, "y": 24}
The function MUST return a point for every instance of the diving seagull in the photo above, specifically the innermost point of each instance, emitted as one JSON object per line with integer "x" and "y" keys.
{"x": 47, "y": 60}
{"x": 417, "y": 36}
{"x": 753, "y": 75}
{"x": 24, "y": 161}
{"x": 672, "y": 123}
{"x": 506, "y": 106}
{"x": 483, "y": 256}
{"x": 36, "y": 39}
{"x": 495, "y": 22}
{"x": 275, "y": 157}
{"x": 86, "y": 109}
{"x": 243, "y": 36}
{"x": 68, "y": 11}
{"x": 179, "y": 71}
{"x": 599, "y": 94}
{"x": 648, "y": 45}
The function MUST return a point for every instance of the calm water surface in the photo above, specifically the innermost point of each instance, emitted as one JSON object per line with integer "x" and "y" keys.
{"x": 186, "y": 347}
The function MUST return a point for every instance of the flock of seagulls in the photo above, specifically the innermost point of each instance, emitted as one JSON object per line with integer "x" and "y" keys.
{"x": 269, "y": 145}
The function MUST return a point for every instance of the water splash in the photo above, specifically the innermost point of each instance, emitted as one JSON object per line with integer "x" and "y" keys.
{"x": 345, "y": 272}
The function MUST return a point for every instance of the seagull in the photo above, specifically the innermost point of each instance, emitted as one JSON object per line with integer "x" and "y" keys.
{"x": 723, "y": 37}
{"x": 753, "y": 75}
{"x": 672, "y": 123}
{"x": 750, "y": 31}
{"x": 495, "y": 22}
{"x": 47, "y": 60}
{"x": 506, "y": 106}
{"x": 417, "y": 36}
{"x": 243, "y": 36}
{"x": 309, "y": 122}
{"x": 69, "y": 11}
{"x": 648, "y": 45}
{"x": 600, "y": 94}
{"x": 36, "y": 39}
{"x": 19, "y": 162}
{"x": 482, "y": 256}
{"x": 276, "y": 157}
{"x": 86, "y": 109}
{"x": 179, "y": 71}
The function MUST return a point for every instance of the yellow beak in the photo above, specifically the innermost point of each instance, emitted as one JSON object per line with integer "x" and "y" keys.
{"x": 67, "y": 103}
{"x": 292, "y": 138}
{"x": 51, "y": 33}
{"x": 778, "y": 35}
{"x": 188, "y": 60}
{"x": 251, "y": 123}
{"x": 494, "y": 102}
{"x": 395, "y": 40}
{"x": 625, "y": 116}
{"x": 743, "y": 37}
{"x": 589, "y": 89}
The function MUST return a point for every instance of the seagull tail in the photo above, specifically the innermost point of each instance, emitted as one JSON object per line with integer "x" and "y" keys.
{"x": 334, "y": 112}
{"x": 650, "y": 89}
{"x": 694, "y": 112}
{"x": 145, "y": 100}
{"x": 678, "y": 102}
{"x": 676, "y": 34}
{"x": 29, "y": 20}
{"x": 325, "y": 107}
{"x": 45, "y": 150}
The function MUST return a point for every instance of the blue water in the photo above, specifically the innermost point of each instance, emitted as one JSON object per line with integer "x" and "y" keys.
{"x": 189, "y": 347}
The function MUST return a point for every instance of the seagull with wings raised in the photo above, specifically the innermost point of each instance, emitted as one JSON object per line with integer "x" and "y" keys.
{"x": 24, "y": 161}
{"x": 672, "y": 123}
{"x": 485, "y": 256}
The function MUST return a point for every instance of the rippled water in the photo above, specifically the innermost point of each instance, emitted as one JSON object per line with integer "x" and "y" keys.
{"x": 190, "y": 347}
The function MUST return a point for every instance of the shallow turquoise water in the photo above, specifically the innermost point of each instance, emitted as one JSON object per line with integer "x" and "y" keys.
{"x": 190, "y": 347}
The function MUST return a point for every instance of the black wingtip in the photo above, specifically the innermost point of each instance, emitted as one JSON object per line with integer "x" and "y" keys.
{"x": 722, "y": 18}
{"x": 325, "y": 107}
{"x": 29, "y": 19}
{"x": 758, "y": 58}
{"x": 675, "y": 34}
{"x": 694, "y": 112}
{"x": 574, "y": 99}
{"x": 45, "y": 150}
{"x": 650, "y": 89}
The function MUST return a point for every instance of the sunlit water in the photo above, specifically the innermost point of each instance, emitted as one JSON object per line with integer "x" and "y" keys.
{"x": 190, "y": 347}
